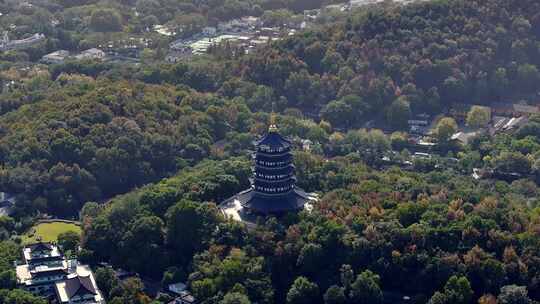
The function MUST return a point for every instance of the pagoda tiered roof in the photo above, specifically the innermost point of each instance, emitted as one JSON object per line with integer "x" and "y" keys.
{"x": 273, "y": 190}
{"x": 274, "y": 140}
{"x": 279, "y": 204}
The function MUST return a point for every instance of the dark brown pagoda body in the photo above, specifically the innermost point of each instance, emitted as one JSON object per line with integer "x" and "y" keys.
{"x": 273, "y": 190}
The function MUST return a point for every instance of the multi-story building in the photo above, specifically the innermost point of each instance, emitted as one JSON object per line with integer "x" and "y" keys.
{"x": 44, "y": 266}
{"x": 47, "y": 273}
{"x": 273, "y": 190}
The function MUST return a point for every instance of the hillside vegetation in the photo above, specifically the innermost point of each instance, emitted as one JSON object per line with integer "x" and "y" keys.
{"x": 150, "y": 150}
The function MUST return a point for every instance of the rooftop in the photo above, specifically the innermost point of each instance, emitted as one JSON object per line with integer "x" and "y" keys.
{"x": 177, "y": 288}
{"x": 80, "y": 284}
{"x": 40, "y": 251}
{"x": 246, "y": 205}
{"x": 28, "y": 276}
{"x": 56, "y": 56}
{"x": 464, "y": 137}
{"x": 40, "y": 246}
{"x": 274, "y": 140}
{"x": 92, "y": 53}
{"x": 58, "y": 53}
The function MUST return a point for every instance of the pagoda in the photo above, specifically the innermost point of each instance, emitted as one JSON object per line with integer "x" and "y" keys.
{"x": 273, "y": 188}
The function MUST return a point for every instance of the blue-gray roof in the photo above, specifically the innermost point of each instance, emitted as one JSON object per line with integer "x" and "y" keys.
{"x": 274, "y": 140}
{"x": 260, "y": 204}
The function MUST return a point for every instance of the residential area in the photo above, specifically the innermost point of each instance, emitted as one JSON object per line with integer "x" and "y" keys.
{"x": 472, "y": 121}
{"x": 242, "y": 34}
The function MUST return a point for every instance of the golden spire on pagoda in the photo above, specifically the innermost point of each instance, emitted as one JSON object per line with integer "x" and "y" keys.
{"x": 273, "y": 127}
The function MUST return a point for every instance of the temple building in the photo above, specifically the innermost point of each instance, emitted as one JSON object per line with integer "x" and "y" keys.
{"x": 47, "y": 273}
{"x": 78, "y": 288}
{"x": 273, "y": 190}
{"x": 43, "y": 266}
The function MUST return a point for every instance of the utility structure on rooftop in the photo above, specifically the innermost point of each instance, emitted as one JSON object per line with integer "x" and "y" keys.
{"x": 273, "y": 190}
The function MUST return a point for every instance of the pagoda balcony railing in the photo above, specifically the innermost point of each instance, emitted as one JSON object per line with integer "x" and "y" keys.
{"x": 255, "y": 166}
{"x": 259, "y": 175}
{"x": 266, "y": 154}
{"x": 267, "y": 149}
{"x": 267, "y": 193}
{"x": 271, "y": 173}
{"x": 287, "y": 180}
{"x": 273, "y": 163}
{"x": 287, "y": 157}
{"x": 274, "y": 168}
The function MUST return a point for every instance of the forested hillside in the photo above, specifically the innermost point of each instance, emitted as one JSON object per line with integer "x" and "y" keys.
{"x": 391, "y": 62}
{"x": 142, "y": 154}
{"x": 383, "y": 63}
{"x": 373, "y": 233}
{"x": 420, "y": 58}
{"x": 81, "y": 24}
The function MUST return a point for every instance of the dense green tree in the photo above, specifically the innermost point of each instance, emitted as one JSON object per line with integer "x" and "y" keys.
{"x": 458, "y": 290}
{"x": 235, "y": 298}
{"x": 130, "y": 291}
{"x": 234, "y": 273}
{"x": 310, "y": 258}
{"x": 366, "y": 288}
{"x": 527, "y": 76}
{"x": 445, "y": 128}
{"x": 512, "y": 162}
{"x": 8, "y": 279}
{"x": 106, "y": 280}
{"x": 478, "y": 117}
{"x": 105, "y": 20}
{"x": 500, "y": 83}
{"x": 399, "y": 141}
{"x": 398, "y": 113}
{"x": 438, "y": 298}
{"x": 344, "y": 112}
{"x": 19, "y": 296}
{"x": 189, "y": 226}
{"x": 303, "y": 291}
{"x": 146, "y": 237}
{"x": 276, "y": 17}
{"x": 410, "y": 213}
{"x": 69, "y": 240}
{"x": 335, "y": 295}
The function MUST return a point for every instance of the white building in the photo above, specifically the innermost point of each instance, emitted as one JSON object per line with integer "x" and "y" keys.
{"x": 91, "y": 54}
{"x": 55, "y": 57}
{"x": 44, "y": 266}
{"x": 47, "y": 273}
{"x": 164, "y": 30}
{"x": 6, "y": 44}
